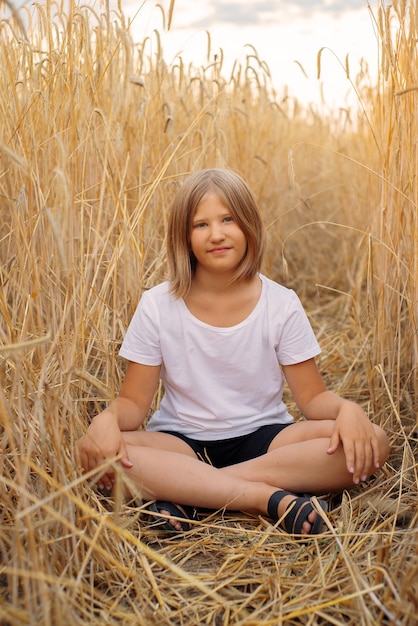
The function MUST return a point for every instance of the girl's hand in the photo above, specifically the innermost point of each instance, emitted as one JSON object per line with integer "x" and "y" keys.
{"x": 355, "y": 432}
{"x": 103, "y": 440}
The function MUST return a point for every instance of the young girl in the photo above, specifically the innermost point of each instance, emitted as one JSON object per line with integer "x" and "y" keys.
{"x": 223, "y": 338}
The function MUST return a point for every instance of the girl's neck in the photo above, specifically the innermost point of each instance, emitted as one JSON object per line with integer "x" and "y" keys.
{"x": 207, "y": 282}
{"x": 213, "y": 284}
{"x": 221, "y": 303}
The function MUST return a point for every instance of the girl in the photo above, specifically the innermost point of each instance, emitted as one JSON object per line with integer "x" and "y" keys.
{"x": 222, "y": 337}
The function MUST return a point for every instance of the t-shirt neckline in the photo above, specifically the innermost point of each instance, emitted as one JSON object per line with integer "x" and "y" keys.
{"x": 223, "y": 329}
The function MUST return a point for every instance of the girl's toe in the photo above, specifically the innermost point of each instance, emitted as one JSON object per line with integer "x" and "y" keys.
{"x": 308, "y": 523}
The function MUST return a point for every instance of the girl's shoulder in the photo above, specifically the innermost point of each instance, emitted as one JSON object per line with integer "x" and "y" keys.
{"x": 156, "y": 298}
{"x": 160, "y": 291}
{"x": 275, "y": 289}
{"x": 281, "y": 300}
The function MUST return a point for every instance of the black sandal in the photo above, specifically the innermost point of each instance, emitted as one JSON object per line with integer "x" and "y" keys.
{"x": 296, "y": 512}
{"x": 184, "y": 513}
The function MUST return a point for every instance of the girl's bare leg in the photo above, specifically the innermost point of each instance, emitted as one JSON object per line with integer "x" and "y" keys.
{"x": 297, "y": 460}
{"x": 166, "y": 468}
{"x": 166, "y": 475}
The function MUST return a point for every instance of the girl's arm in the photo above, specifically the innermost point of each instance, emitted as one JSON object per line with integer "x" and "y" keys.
{"x": 103, "y": 439}
{"x": 136, "y": 394}
{"x": 353, "y": 429}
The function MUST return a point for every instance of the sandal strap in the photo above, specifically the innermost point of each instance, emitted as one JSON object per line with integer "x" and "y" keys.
{"x": 274, "y": 501}
{"x": 188, "y": 513}
{"x": 296, "y": 513}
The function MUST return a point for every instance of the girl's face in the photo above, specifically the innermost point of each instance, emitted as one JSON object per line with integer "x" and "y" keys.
{"x": 217, "y": 242}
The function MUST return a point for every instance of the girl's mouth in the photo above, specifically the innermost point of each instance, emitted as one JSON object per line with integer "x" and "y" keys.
{"x": 218, "y": 250}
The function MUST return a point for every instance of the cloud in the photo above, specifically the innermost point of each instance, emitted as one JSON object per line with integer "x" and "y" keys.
{"x": 333, "y": 6}
{"x": 250, "y": 13}
{"x": 244, "y": 13}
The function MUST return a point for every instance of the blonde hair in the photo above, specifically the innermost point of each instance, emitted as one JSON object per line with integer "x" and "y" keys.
{"x": 235, "y": 194}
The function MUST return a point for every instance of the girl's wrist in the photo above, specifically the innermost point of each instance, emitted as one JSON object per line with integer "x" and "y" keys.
{"x": 107, "y": 414}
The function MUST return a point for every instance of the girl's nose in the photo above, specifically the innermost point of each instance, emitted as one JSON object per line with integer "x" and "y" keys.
{"x": 216, "y": 233}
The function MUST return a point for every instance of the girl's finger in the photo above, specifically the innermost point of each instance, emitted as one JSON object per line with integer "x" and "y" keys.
{"x": 350, "y": 458}
{"x": 334, "y": 442}
{"x": 125, "y": 460}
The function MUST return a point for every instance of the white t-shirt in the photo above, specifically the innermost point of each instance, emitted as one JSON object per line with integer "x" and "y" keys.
{"x": 220, "y": 382}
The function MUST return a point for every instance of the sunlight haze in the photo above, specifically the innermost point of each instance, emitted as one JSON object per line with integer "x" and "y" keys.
{"x": 286, "y": 35}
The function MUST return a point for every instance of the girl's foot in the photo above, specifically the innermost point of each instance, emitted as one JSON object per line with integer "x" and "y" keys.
{"x": 178, "y": 516}
{"x": 301, "y": 518}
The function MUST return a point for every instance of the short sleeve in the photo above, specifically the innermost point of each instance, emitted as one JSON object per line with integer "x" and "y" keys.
{"x": 297, "y": 342}
{"x": 142, "y": 340}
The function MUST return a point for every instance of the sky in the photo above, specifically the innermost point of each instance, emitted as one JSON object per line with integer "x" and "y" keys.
{"x": 286, "y": 35}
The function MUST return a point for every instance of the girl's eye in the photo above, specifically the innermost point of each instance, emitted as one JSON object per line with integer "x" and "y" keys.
{"x": 200, "y": 225}
{"x": 228, "y": 218}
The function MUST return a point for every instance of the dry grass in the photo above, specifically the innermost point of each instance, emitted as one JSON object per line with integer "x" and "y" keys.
{"x": 96, "y": 134}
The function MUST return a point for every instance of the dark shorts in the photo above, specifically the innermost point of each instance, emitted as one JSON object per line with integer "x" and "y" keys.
{"x": 235, "y": 450}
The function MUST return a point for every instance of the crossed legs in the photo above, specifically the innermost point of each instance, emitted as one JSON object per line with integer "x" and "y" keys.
{"x": 166, "y": 468}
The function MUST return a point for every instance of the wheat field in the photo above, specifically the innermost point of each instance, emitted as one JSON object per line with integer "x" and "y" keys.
{"x": 97, "y": 133}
